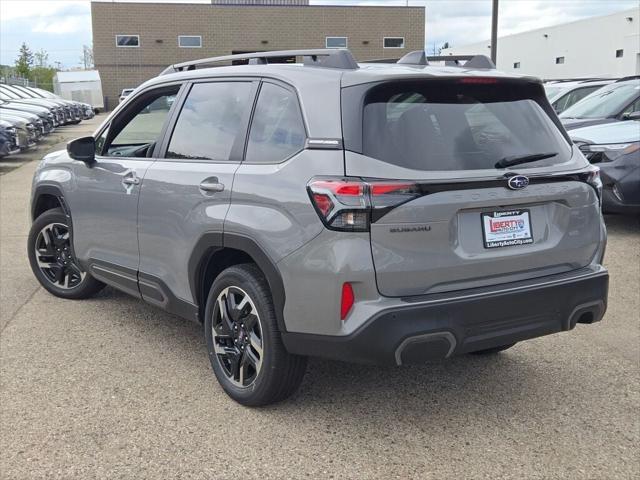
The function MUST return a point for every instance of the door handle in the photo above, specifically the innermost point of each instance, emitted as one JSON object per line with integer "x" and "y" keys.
{"x": 211, "y": 185}
{"x": 131, "y": 180}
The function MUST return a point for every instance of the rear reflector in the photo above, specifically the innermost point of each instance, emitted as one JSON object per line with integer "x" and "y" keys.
{"x": 347, "y": 300}
{"x": 323, "y": 202}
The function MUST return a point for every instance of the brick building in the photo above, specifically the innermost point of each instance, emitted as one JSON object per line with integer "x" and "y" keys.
{"x": 133, "y": 42}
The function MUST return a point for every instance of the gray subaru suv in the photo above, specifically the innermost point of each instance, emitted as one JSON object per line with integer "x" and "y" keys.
{"x": 387, "y": 213}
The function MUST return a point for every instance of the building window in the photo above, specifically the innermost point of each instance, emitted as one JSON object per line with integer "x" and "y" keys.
{"x": 516, "y": 65}
{"x": 189, "y": 41}
{"x": 619, "y": 53}
{"x": 559, "y": 60}
{"x": 127, "y": 40}
{"x": 393, "y": 42}
{"x": 336, "y": 42}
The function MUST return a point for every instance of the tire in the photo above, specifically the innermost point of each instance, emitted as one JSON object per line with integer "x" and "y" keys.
{"x": 243, "y": 340}
{"x": 50, "y": 235}
{"x": 494, "y": 350}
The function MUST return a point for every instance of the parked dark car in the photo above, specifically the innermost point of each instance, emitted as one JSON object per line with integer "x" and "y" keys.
{"x": 7, "y": 141}
{"x": 612, "y": 103}
{"x": 615, "y": 148}
{"x": 19, "y": 132}
{"x": 34, "y": 124}
{"x": 44, "y": 114}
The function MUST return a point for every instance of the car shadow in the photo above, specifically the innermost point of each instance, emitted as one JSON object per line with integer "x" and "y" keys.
{"x": 464, "y": 382}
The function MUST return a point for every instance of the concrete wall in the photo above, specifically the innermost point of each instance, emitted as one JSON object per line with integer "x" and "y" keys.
{"x": 588, "y": 47}
{"x": 225, "y": 28}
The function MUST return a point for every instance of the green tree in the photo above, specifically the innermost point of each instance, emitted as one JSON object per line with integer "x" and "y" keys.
{"x": 24, "y": 62}
{"x": 43, "y": 77}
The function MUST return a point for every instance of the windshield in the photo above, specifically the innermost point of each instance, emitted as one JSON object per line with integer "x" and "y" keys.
{"x": 15, "y": 92}
{"x": 452, "y": 126}
{"x": 5, "y": 95}
{"x": 552, "y": 91}
{"x": 606, "y": 102}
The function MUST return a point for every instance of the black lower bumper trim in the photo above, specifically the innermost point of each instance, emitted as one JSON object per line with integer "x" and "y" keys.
{"x": 416, "y": 333}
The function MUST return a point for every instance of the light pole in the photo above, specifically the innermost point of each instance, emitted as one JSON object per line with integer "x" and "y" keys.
{"x": 494, "y": 32}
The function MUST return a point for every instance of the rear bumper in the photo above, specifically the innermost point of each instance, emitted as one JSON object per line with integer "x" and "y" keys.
{"x": 474, "y": 320}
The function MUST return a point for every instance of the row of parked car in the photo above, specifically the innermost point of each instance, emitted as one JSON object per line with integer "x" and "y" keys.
{"x": 602, "y": 117}
{"x": 28, "y": 114}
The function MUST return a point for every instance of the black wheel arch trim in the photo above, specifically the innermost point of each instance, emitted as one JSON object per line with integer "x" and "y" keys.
{"x": 52, "y": 190}
{"x": 211, "y": 242}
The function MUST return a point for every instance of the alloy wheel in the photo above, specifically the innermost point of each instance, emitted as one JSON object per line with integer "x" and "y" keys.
{"x": 237, "y": 336}
{"x": 55, "y": 257}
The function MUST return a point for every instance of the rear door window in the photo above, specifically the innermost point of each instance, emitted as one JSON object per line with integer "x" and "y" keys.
{"x": 211, "y": 121}
{"x": 277, "y": 129}
{"x": 453, "y": 126}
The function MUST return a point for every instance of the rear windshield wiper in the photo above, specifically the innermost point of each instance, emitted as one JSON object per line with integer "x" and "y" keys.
{"x": 519, "y": 159}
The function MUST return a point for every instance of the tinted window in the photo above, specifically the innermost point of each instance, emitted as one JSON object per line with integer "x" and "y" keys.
{"x": 445, "y": 126}
{"x": 127, "y": 40}
{"x": 277, "y": 130}
{"x": 134, "y": 137}
{"x": 210, "y": 121}
{"x": 394, "y": 42}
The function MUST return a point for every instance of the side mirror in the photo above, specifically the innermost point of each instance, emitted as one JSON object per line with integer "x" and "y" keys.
{"x": 632, "y": 116}
{"x": 83, "y": 149}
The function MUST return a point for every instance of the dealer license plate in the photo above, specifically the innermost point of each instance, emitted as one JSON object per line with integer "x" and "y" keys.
{"x": 506, "y": 228}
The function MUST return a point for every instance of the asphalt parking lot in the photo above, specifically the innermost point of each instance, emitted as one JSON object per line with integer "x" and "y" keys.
{"x": 114, "y": 388}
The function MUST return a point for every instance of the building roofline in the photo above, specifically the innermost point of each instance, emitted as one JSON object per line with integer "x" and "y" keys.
{"x": 541, "y": 29}
{"x": 222, "y": 5}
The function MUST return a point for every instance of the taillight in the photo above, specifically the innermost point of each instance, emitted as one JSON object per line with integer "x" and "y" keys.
{"x": 594, "y": 180}
{"x": 478, "y": 80}
{"x": 348, "y": 204}
{"x": 346, "y": 301}
{"x": 341, "y": 203}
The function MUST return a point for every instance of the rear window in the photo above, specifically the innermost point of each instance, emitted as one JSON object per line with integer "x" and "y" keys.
{"x": 456, "y": 126}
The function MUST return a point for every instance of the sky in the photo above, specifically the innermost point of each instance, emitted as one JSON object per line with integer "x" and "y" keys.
{"x": 61, "y": 27}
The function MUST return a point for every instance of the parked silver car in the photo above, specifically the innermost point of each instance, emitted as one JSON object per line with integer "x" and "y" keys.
{"x": 379, "y": 213}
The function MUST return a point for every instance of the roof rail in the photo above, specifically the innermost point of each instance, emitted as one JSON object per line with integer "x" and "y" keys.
{"x": 327, "y": 58}
{"x": 579, "y": 80}
{"x": 419, "y": 57}
{"x": 630, "y": 77}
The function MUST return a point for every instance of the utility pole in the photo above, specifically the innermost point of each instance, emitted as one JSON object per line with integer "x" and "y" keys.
{"x": 494, "y": 32}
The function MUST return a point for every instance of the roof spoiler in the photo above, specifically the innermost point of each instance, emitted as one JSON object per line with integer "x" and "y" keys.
{"x": 419, "y": 57}
{"x": 326, "y": 58}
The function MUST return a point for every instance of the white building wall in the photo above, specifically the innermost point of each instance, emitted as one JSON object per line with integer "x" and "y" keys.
{"x": 588, "y": 47}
